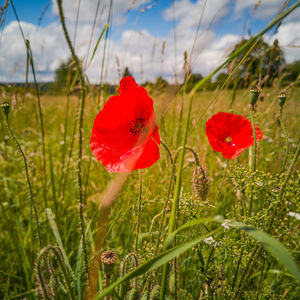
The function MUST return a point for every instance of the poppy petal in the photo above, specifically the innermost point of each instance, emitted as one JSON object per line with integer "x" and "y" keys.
{"x": 123, "y": 131}
{"x": 230, "y": 134}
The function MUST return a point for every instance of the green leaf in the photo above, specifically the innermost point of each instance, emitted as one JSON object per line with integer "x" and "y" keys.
{"x": 97, "y": 44}
{"x": 58, "y": 239}
{"x": 272, "y": 245}
{"x": 268, "y": 242}
{"x": 154, "y": 263}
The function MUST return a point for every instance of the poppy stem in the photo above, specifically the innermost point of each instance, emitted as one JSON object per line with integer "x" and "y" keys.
{"x": 139, "y": 211}
{"x": 252, "y": 158}
{"x": 254, "y": 137}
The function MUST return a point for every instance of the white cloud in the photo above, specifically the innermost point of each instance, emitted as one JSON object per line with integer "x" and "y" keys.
{"x": 88, "y": 8}
{"x": 187, "y": 14}
{"x": 288, "y": 36}
{"x": 263, "y": 9}
{"x": 139, "y": 50}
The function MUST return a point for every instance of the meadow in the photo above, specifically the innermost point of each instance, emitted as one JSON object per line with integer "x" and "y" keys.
{"x": 194, "y": 225}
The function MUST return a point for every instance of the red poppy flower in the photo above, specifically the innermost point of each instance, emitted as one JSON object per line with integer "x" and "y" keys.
{"x": 125, "y": 135}
{"x": 230, "y": 134}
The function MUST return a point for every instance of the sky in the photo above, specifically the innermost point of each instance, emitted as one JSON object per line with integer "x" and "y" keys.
{"x": 148, "y": 37}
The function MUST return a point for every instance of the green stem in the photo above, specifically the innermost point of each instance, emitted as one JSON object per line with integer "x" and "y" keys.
{"x": 252, "y": 159}
{"x": 254, "y": 137}
{"x": 31, "y": 198}
{"x": 286, "y": 143}
{"x": 138, "y": 213}
{"x": 257, "y": 250}
{"x": 175, "y": 204}
{"x": 81, "y": 111}
{"x": 37, "y": 91}
{"x": 30, "y": 60}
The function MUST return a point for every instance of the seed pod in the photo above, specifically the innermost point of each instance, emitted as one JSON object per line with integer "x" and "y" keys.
{"x": 253, "y": 96}
{"x": 5, "y": 107}
{"x": 155, "y": 293}
{"x": 134, "y": 294}
{"x": 200, "y": 183}
{"x": 282, "y": 99}
{"x": 172, "y": 285}
{"x": 108, "y": 259}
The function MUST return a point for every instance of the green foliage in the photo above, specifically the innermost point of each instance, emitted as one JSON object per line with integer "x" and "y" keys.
{"x": 264, "y": 64}
{"x": 209, "y": 258}
{"x": 65, "y": 74}
{"x": 291, "y": 73}
{"x": 191, "y": 79}
{"x": 126, "y": 72}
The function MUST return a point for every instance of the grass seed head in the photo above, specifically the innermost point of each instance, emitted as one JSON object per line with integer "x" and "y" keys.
{"x": 200, "y": 183}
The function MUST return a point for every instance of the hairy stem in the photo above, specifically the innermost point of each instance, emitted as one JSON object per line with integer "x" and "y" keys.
{"x": 81, "y": 111}
{"x": 31, "y": 198}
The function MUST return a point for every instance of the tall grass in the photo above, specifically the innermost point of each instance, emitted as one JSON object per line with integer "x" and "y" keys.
{"x": 238, "y": 242}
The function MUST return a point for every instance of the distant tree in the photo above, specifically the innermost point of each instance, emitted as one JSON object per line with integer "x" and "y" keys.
{"x": 272, "y": 62}
{"x": 191, "y": 79}
{"x": 64, "y": 73}
{"x": 221, "y": 78}
{"x": 126, "y": 72}
{"x": 160, "y": 83}
{"x": 264, "y": 63}
{"x": 291, "y": 73}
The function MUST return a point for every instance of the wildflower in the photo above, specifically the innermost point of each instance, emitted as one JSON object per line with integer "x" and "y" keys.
{"x": 294, "y": 214}
{"x": 230, "y": 134}
{"x": 211, "y": 241}
{"x": 125, "y": 135}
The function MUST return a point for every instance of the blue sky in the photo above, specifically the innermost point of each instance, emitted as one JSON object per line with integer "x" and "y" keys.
{"x": 152, "y": 19}
{"x": 140, "y": 31}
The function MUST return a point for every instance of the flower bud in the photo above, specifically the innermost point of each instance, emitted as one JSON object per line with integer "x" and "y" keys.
{"x": 5, "y": 107}
{"x": 282, "y": 99}
{"x": 253, "y": 96}
{"x": 200, "y": 183}
{"x": 108, "y": 259}
{"x": 155, "y": 292}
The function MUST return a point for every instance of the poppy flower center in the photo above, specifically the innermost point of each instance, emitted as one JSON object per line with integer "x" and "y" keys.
{"x": 228, "y": 140}
{"x": 136, "y": 126}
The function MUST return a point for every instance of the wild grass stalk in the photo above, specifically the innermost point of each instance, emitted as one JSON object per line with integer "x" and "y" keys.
{"x": 285, "y": 135}
{"x": 39, "y": 107}
{"x": 6, "y": 107}
{"x": 257, "y": 250}
{"x": 175, "y": 203}
{"x": 81, "y": 111}
{"x": 40, "y": 269}
{"x": 22, "y": 256}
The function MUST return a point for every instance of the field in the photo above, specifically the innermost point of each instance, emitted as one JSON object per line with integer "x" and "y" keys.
{"x": 108, "y": 195}
{"x": 213, "y": 267}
